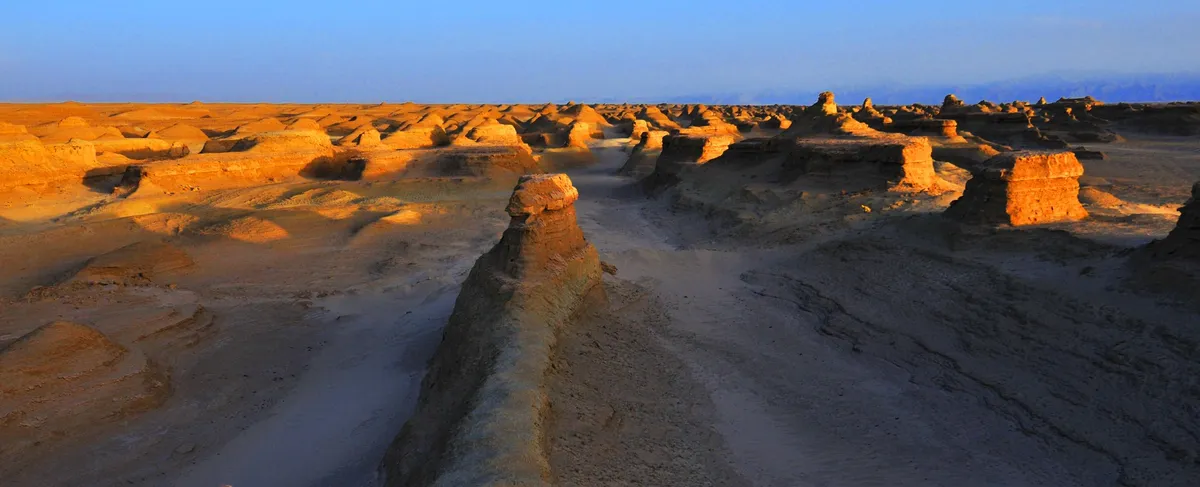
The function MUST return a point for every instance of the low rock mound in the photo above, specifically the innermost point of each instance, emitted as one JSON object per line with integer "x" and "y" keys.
{"x": 924, "y": 126}
{"x": 250, "y": 229}
{"x": 365, "y": 136}
{"x": 30, "y": 162}
{"x": 182, "y": 132}
{"x": 305, "y": 124}
{"x": 139, "y": 263}
{"x": 63, "y": 379}
{"x": 417, "y": 137}
{"x": 480, "y": 417}
{"x": 495, "y": 133}
{"x": 1022, "y": 188}
{"x": 259, "y": 126}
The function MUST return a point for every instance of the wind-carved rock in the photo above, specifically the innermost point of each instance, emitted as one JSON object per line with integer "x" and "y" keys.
{"x": 824, "y": 106}
{"x": 1184, "y": 240}
{"x": 1022, "y": 188}
{"x": 644, "y": 155}
{"x": 480, "y": 417}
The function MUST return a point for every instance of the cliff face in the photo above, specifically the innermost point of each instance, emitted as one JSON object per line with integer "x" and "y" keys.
{"x": 1023, "y": 188}
{"x": 1184, "y": 241}
{"x": 480, "y": 416}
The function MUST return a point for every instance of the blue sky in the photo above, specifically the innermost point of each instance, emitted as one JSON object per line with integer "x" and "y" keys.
{"x": 473, "y": 51}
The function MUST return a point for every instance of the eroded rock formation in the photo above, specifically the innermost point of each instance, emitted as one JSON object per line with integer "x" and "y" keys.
{"x": 1184, "y": 240}
{"x": 901, "y": 163}
{"x": 1022, "y": 188}
{"x": 479, "y": 419}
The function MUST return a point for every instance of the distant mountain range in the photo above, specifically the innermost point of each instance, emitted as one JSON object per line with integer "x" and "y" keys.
{"x": 1107, "y": 88}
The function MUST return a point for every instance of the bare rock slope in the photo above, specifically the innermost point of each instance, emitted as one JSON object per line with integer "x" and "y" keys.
{"x": 480, "y": 417}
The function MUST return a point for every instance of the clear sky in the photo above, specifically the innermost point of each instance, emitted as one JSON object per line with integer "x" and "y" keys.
{"x": 498, "y": 51}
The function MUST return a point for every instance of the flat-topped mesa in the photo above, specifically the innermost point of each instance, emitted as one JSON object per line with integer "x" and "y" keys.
{"x": 418, "y": 136}
{"x": 1022, "y": 188}
{"x": 899, "y": 162}
{"x": 1014, "y": 129}
{"x": 1184, "y": 240}
{"x": 924, "y": 126}
{"x": 578, "y": 135}
{"x": 657, "y": 119}
{"x": 496, "y": 133}
{"x": 708, "y": 122}
{"x": 823, "y": 118}
{"x": 480, "y": 417}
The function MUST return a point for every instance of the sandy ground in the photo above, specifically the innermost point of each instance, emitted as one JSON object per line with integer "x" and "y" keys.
{"x": 322, "y": 335}
{"x": 823, "y": 360}
{"x": 797, "y": 353}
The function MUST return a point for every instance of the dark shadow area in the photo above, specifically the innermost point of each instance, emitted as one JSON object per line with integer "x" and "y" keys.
{"x": 104, "y": 179}
{"x": 348, "y": 166}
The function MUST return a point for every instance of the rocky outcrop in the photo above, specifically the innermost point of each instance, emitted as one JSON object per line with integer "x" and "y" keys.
{"x": 657, "y": 118}
{"x": 901, "y": 163}
{"x": 951, "y": 104}
{"x": 494, "y": 133}
{"x": 305, "y": 124}
{"x": 639, "y": 127}
{"x": 693, "y": 149}
{"x": 255, "y": 159}
{"x": 1184, "y": 240}
{"x": 147, "y": 148}
{"x": 644, "y": 155}
{"x": 708, "y": 122}
{"x": 73, "y": 128}
{"x": 578, "y": 135}
{"x": 479, "y": 420}
{"x": 182, "y": 133}
{"x": 27, "y": 161}
{"x": 64, "y": 379}
{"x": 1022, "y": 188}
{"x": 869, "y": 115}
{"x": 260, "y": 126}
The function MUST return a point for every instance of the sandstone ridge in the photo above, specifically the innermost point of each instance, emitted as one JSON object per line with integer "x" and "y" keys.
{"x": 480, "y": 417}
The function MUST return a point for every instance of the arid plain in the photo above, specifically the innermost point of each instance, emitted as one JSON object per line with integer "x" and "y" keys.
{"x": 990, "y": 294}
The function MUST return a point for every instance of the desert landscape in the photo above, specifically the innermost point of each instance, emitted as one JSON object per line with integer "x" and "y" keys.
{"x": 399, "y": 294}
